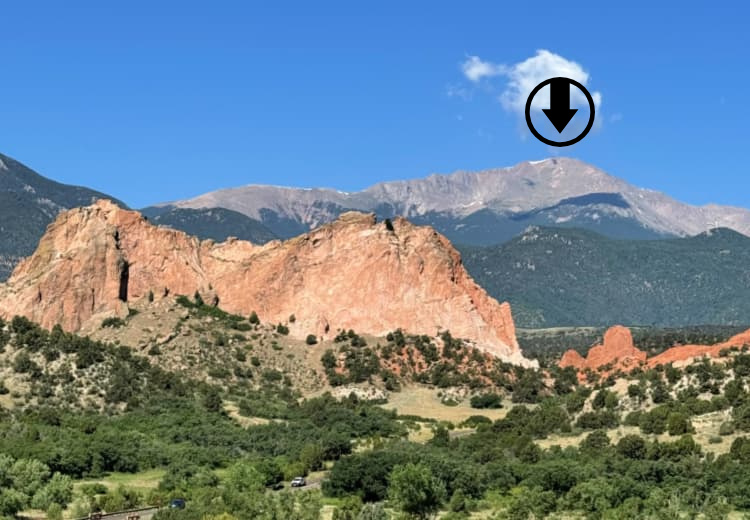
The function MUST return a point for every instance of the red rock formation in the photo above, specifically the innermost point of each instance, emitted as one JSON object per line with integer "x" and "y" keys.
{"x": 572, "y": 358}
{"x": 353, "y": 273}
{"x": 616, "y": 351}
{"x": 619, "y": 352}
{"x": 688, "y": 352}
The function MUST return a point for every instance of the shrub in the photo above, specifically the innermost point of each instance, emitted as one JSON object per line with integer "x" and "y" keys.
{"x": 23, "y": 364}
{"x": 476, "y": 420}
{"x": 254, "y": 318}
{"x": 678, "y": 424}
{"x": 415, "y": 490}
{"x": 488, "y": 400}
{"x": 328, "y": 359}
{"x": 597, "y": 420}
{"x": 184, "y": 301}
{"x": 311, "y": 339}
{"x": 636, "y": 392}
{"x": 659, "y": 392}
{"x": 726, "y": 428}
{"x": 595, "y": 441}
{"x": 655, "y": 420}
{"x": 113, "y": 322}
{"x": 282, "y": 329}
{"x": 632, "y": 447}
{"x": 272, "y": 375}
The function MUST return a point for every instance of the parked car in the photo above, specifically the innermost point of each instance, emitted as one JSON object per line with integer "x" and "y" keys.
{"x": 299, "y": 482}
{"x": 177, "y": 503}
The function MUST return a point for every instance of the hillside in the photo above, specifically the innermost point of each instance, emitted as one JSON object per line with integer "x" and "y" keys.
{"x": 215, "y": 223}
{"x": 28, "y": 203}
{"x": 135, "y": 419}
{"x": 489, "y": 206}
{"x": 559, "y": 277}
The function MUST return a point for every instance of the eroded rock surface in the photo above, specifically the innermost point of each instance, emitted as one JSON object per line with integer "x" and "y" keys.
{"x": 354, "y": 273}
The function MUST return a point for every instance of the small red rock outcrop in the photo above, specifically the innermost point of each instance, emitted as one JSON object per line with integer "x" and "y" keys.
{"x": 354, "y": 273}
{"x": 617, "y": 351}
{"x": 688, "y": 352}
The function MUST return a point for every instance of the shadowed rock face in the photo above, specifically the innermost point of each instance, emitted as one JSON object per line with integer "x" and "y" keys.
{"x": 353, "y": 273}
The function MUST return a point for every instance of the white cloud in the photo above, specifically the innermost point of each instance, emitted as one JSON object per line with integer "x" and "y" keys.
{"x": 475, "y": 69}
{"x": 521, "y": 78}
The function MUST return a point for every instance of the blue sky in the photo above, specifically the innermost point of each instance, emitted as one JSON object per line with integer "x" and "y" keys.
{"x": 156, "y": 102}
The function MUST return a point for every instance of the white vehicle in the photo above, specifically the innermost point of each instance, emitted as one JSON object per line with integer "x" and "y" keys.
{"x": 299, "y": 482}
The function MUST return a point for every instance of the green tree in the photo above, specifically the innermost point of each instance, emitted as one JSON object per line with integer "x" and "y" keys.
{"x": 28, "y": 476}
{"x": 58, "y": 490}
{"x": 373, "y": 512}
{"x": 243, "y": 477}
{"x": 678, "y": 424}
{"x": 632, "y": 447}
{"x": 11, "y": 502}
{"x": 636, "y": 392}
{"x": 212, "y": 400}
{"x": 441, "y": 437}
{"x": 595, "y": 441}
{"x": 531, "y": 503}
{"x": 312, "y": 456}
{"x": 593, "y": 496}
{"x": 349, "y": 509}
{"x": 415, "y": 490}
{"x": 659, "y": 392}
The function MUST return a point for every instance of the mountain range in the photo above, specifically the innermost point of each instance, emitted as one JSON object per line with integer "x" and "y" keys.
{"x": 28, "y": 203}
{"x": 566, "y": 277}
{"x": 487, "y": 207}
{"x": 563, "y": 241}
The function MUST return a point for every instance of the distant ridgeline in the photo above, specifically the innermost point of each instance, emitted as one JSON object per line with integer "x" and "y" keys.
{"x": 28, "y": 203}
{"x": 569, "y": 277}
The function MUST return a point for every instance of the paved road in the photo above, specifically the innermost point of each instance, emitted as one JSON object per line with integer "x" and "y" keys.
{"x": 314, "y": 481}
{"x": 142, "y": 514}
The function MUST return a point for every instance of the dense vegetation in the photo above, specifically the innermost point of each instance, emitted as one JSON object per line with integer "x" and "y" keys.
{"x": 443, "y": 362}
{"x": 569, "y": 277}
{"x": 143, "y": 417}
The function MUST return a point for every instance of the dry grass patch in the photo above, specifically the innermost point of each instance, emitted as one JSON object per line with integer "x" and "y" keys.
{"x": 233, "y": 411}
{"x": 143, "y": 481}
{"x": 424, "y": 402}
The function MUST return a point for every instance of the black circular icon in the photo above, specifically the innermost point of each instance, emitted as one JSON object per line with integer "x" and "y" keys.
{"x": 559, "y": 113}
